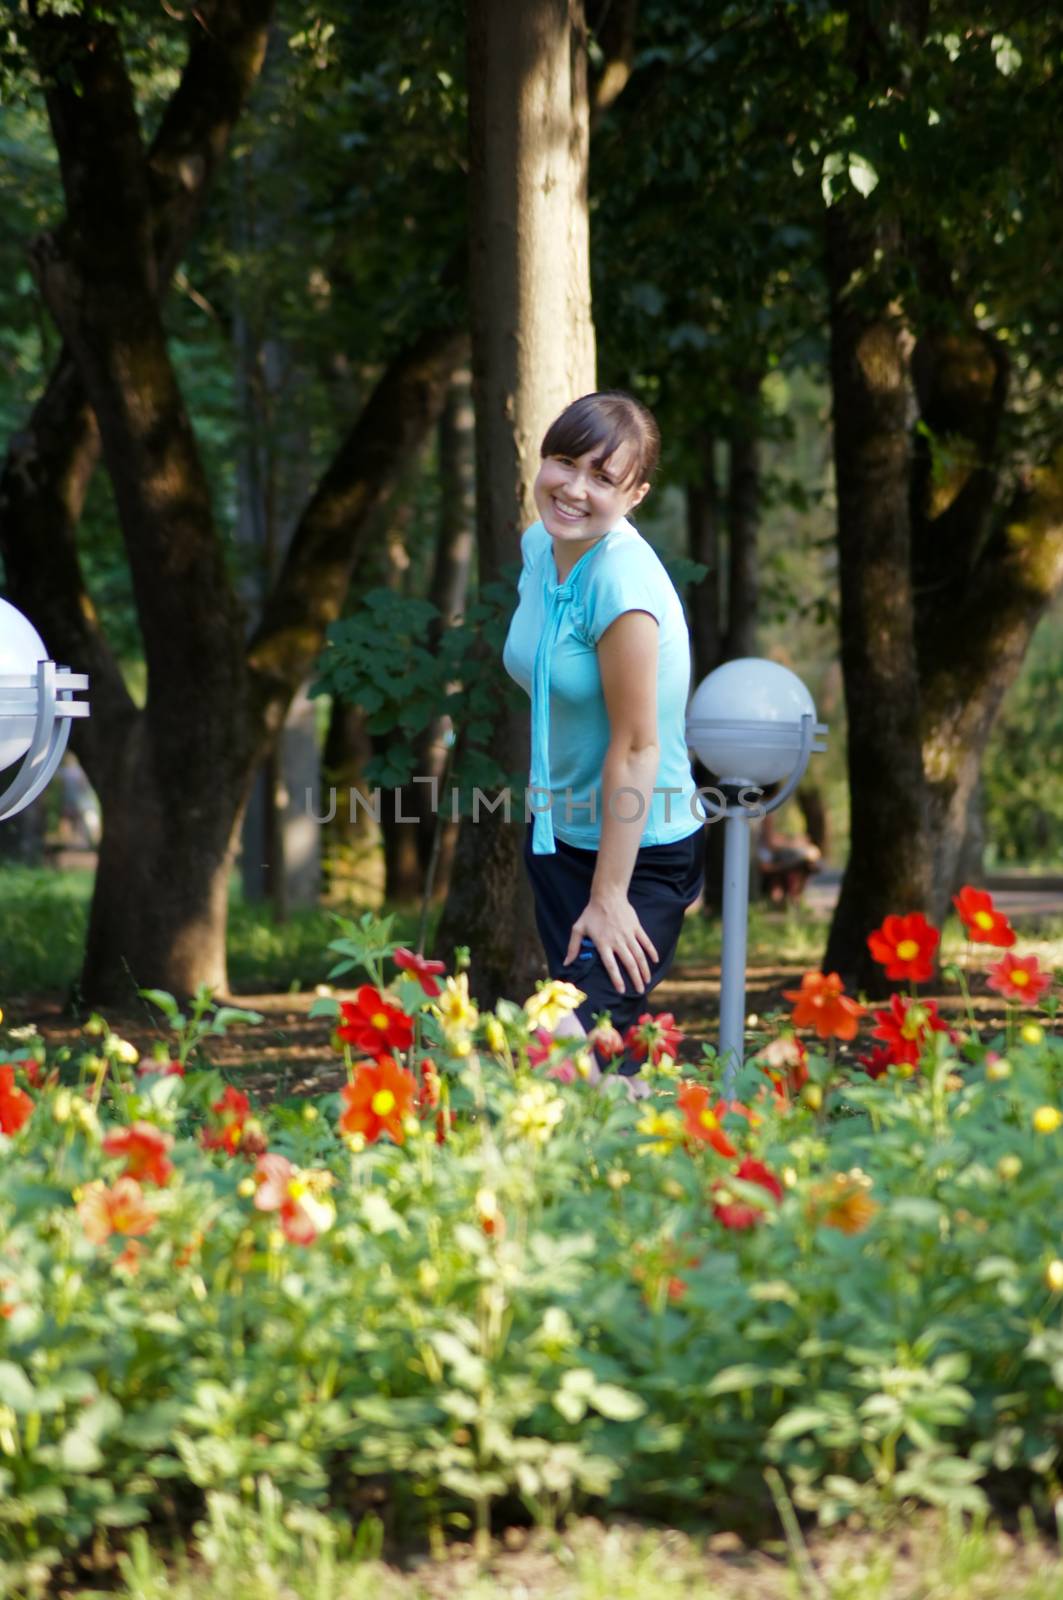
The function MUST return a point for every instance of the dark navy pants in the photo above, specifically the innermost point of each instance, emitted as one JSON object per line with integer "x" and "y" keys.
{"x": 665, "y": 880}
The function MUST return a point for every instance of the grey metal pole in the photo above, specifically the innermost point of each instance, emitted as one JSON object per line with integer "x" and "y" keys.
{"x": 733, "y": 957}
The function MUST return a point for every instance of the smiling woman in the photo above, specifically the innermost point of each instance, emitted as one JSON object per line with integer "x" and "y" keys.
{"x": 600, "y": 643}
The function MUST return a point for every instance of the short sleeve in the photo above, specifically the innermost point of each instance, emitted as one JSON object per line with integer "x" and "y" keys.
{"x": 629, "y": 580}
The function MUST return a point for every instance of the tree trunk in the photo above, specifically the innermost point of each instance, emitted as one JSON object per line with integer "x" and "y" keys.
{"x": 889, "y": 860}
{"x": 743, "y": 520}
{"x": 173, "y": 778}
{"x": 704, "y": 599}
{"x": 533, "y": 352}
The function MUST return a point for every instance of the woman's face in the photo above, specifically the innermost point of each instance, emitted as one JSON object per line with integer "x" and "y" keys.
{"x": 580, "y": 501}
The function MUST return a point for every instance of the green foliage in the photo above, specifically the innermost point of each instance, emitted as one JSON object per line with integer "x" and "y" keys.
{"x": 539, "y": 1296}
{"x": 1023, "y": 770}
{"x": 392, "y": 658}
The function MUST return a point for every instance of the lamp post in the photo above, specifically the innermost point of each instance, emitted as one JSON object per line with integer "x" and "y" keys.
{"x": 752, "y": 723}
{"x": 36, "y": 706}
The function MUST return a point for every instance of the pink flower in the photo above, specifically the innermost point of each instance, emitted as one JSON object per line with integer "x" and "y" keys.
{"x": 1020, "y": 978}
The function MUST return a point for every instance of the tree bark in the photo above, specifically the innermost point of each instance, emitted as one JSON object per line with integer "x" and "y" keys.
{"x": 743, "y": 522}
{"x": 533, "y": 352}
{"x": 889, "y": 859}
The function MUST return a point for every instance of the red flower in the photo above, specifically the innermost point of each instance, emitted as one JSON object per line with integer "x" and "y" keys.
{"x": 300, "y": 1199}
{"x": 878, "y": 1062}
{"x": 906, "y": 1026}
{"x": 144, "y": 1148}
{"x": 421, "y": 969}
{"x": 373, "y": 1024}
{"x": 540, "y": 1047}
{"x": 983, "y": 923}
{"x": 821, "y": 1004}
{"x": 429, "y": 1091}
{"x": 785, "y": 1061}
{"x": 232, "y": 1112}
{"x": 160, "y": 1069}
{"x": 905, "y": 947}
{"x": 120, "y": 1209}
{"x": 607, "y": 1040}
{"x": 704, "y": 1122}
{"x": 16, "y": 1107}
{"x": 653, "y": 1037}
{"x": 739, "y": 1213}
{"x": 1020, "y": 978}
{"x": 378, "y": 1100}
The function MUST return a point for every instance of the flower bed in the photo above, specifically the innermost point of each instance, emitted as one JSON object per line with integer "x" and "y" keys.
{"x": 487, "y": 1270}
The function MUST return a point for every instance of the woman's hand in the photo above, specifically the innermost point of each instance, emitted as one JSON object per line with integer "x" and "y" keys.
{"x": 619, "y": 938}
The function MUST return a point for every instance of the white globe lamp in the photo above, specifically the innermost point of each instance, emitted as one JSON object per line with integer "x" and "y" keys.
{"x": 36, "y": 708}
{"x": 753, "y": 724}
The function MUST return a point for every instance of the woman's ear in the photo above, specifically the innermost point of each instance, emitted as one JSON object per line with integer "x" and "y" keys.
{"x": 638, "y": 495}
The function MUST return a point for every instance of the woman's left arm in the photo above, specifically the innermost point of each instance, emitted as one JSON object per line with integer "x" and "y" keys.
{"x": 627, "y": 660}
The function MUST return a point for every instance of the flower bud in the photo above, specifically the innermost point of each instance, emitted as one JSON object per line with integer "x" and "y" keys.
{"x": 1046, "y": 1119}
{"x": 1054, "y": 1276}
{"x": 998, "y": 1070}
{"x": 1009, "y": 1167}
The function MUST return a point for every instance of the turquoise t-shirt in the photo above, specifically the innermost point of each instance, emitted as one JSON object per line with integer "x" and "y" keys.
{"x": 553, "y": 640}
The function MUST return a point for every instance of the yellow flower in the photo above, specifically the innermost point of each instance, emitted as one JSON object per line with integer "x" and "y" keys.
{"x": 665, "y": 1128}
{"x": 1046, "y": 1119}
{"x": 1032, "y": 1033}
{"x": 1009, "y": 1167}
{"x": 456, "y": 1011}
{"x": 552, "y": 1001}
{"x": 495, "y": 1035}
{"x": 536, "y": 1114}
{"x": 1054, "y": 1276}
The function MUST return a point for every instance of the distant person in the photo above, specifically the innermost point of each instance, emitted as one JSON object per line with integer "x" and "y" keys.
{"x": 600, "y": 643}
{"x": 786, "y": 863}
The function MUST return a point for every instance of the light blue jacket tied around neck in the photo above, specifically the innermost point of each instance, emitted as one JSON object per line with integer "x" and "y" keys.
{"x": 551, "y": 651}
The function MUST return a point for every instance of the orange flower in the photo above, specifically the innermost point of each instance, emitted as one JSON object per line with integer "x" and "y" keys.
{"x": 704, "y": 1122}
{"x": 739, "y": 1214}
{"x": 983, "y": 923}
{"x": 905, "y": 947}
{"x": 821, "y": 1004}
{"x": 842, "y": 1201}
{"x": 1020, "y": 978}
{"x": 16, "y": 1107}
{"x": 232, "y": 1111}
{"x": 144, "y": 1148}
{"x": 120, "y": 1209}
{"x": 373, "y": 1024}
{"x": 378, "y": 1100}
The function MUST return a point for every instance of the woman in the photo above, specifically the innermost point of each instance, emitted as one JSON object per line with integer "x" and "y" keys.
{"x": 600, "y": 643}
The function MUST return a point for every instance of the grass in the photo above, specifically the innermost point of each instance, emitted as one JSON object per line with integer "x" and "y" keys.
{"x": 264, "y": 1553}
{"x": 45, "y": 915}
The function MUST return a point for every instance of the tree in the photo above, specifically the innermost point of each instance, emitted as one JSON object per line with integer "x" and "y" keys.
{"x": 173, "y": 775}
{"x": 532, "y": 352}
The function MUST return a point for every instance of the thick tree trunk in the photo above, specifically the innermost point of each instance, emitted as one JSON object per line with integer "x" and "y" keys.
{"x": 533, "y": 352}
{"x": 889, "y": 860}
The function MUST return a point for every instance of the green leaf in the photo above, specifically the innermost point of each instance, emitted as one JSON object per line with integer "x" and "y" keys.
{"x": 862, "y": 175}
{"x": 619, "y": 1405}
{"x": 16, "y": 1390}
{"x": 165, "y": 1002}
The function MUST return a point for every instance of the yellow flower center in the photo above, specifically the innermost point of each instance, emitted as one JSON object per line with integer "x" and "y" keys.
{"x": 383, "y": 1102}
{"x": 1019, "y": 977}
{"x": 707, "y": 1119}
{"x": 983, "y": 920}
{"x": 908, "y": 949}
{"x": 296, "y": 1188}
{"x": 379, "y": 1020}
